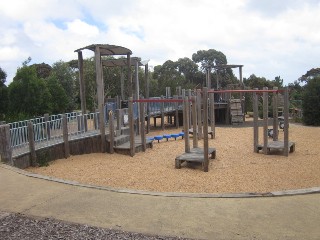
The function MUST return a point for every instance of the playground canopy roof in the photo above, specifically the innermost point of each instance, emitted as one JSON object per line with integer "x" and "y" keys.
{"x": 226, "y": 66}
{"x": 121, "y": 62}
{"x": 106, "y": 49}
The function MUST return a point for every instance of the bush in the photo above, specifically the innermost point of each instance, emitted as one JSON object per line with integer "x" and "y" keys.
{"x": 311, "y": 103}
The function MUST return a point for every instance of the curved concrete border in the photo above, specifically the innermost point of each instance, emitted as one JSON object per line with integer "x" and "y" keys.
{"x": 168, "y": 194}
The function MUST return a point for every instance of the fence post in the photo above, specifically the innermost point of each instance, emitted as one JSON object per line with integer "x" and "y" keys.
{"x": 5, "y": 144}
{"x": 65, "y": 136}
{"x": 111, "y": 132}
{"x": 32, "y": 148}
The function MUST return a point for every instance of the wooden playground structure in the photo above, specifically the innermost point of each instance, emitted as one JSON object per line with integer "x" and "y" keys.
{"x": 132, "y": 138}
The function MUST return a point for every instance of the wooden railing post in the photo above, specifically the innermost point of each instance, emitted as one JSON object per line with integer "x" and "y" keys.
{"x": 47, "y": 122}
{"x": 32, "y": 149}
{"x": 5, "y": 144}
{"x": 65, "y": 136}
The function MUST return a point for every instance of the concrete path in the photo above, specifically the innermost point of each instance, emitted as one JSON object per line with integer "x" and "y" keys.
{"x": 289, "y": 217}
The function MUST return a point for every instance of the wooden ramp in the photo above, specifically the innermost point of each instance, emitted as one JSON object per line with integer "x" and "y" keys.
{"x": 125, "y": 147}
{"x": 195, "y": 155}
{"x": 209, "y": 132}
{"x": 277, "y": 145}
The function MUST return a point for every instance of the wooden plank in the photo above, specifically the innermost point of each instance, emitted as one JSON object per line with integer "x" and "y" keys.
{"x": 275, "y": 114}
{"x": 186, "y": 124}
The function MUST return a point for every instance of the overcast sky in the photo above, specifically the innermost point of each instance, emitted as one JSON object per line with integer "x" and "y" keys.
{"x": 269, "y": 37}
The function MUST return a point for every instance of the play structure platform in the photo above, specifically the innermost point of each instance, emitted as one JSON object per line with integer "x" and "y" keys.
{"x": 210, "y": 132}
{"x": 277, "y": 145}
{"x": 195, "y": 155}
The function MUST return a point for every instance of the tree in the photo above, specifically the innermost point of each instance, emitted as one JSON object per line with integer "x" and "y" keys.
{"x": 43, "y": 70}
{"x": 311, "y": 102}
{"x": 28, "y": 94}
{"x": 209, "y": 58}
{"x": 59, "y": 99}
{"x": 66, "y": 76}
{"x": 188, "y": 68}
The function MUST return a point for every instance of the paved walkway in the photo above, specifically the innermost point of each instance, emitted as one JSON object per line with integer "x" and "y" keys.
{"x": 287, "y": 217}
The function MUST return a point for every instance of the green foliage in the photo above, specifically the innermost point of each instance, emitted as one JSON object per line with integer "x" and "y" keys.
{"x": 43, "y": 70}
{"x": 311, "y": 102}
{"x": 59, "y": 98}
{"x": 43, "y": 158}
{"x": 66, "y": 76}
{"x": 4, "y": 99}
{"x": 28, "y": 93}
{"x": 209, "y": 58}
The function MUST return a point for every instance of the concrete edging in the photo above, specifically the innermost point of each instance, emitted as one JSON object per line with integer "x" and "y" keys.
{"x": 312, "y": 190}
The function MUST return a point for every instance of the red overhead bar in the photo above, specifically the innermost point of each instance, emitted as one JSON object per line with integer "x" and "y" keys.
{"x": 158, "y": 100}
{"x": 245, "y": 91}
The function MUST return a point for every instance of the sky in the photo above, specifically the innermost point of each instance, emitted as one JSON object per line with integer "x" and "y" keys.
{"x": 269, "y": 37}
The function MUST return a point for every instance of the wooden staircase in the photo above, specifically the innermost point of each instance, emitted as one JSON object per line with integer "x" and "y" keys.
{"x": 236, "y": 112}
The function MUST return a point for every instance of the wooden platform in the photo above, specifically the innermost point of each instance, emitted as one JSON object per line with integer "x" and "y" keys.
{"x": 209, "y": 132}
{"x": 125, "y": 147}
{"x": 277, "y": 145}
{"x": 195, "y": 155}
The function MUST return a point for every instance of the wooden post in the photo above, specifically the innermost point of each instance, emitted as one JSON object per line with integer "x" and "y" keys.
{"x": 47, "y": 122}
{"x": 255, "y": 122}
{"x": 209, "y": 78}
{"x": 119, "y": 118}
{"x": 286, "y": 122}
{"x": 186, "y": 124}
{"x": 190, "y": 111}
{"x": 65, "y": 136}
{"x": 162, "y": 115}
{"x": 205, "y": 130}
{"x": 129, "y": 75}
{"x": 199, "y": 114}
{"x": 122, "y": 84}
{"x": 176, "y": 118}
{"x": 100, "y": 93}
{"x": 82, "y": 83}
{"x": 194, "y": 121}
{"x": 131, "y": 126}
{"x": 142, "y": 128}
{"x": 212, "y": 115}
{"x": 146, "y": 75}
{"x": 5, "y": 144}
{"x": 33, "y": 156}
{"x": 265, "y": 121}
{"x": 111, "y": 132}
{"x": 275, "y": 114}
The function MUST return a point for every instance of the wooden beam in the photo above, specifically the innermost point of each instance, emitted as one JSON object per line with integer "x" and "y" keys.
{"x": 286, "y": 122}
{"x": 255, "y": 123}
{"x": 100, "y": 94}
{"x": 205, "y": 130}
{"x": 131, "y": 126}
{"x": 194, "y": 122}
{"x": 265, "y": 121}
{"x": 275, "y": 114}
{"x": 82, "y": 84}
{"x": 32, "y": 149}
{"x": 65, "y": 136}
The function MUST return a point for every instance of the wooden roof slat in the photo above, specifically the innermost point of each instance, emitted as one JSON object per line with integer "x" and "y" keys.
{"x": 106, "y": 49}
